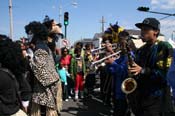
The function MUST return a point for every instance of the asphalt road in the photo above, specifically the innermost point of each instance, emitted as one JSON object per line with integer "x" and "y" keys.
{"x": 87, "y": 107}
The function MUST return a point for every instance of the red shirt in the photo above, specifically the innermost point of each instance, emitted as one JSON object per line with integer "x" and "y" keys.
{"x": 66, "y": 60}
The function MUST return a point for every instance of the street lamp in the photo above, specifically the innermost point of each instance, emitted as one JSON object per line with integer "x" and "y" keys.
{"x": 144, "y": 9}
{"x": 147, "y": 9}
{"x": 74, "y": 4}
{"x": 60, "y": 9}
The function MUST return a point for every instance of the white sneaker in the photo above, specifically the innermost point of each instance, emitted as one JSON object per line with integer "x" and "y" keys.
{"x": 69, "y": 97}
{"x": 96, "y": 90}
{"x": 81, "y": 94}
{"x": 76, "y": 96}
{"x": 82, "y": 97}
{"x": 66, "y": 100}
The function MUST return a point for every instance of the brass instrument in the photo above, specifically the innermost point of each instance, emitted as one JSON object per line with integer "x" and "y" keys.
{"x": 129, "y": 85}
{"x": 100, "y": 62}
{"x": 103, "y": 59}
{"x": 102, "y": 49}
{"x": 97, "y": 49}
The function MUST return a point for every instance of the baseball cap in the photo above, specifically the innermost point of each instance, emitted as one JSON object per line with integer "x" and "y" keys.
{"x": 151, "y": 22}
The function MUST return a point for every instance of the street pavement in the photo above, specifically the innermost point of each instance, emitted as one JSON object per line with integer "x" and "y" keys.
{"x": 92, "y": 106}
{"x": 87, "y": 107}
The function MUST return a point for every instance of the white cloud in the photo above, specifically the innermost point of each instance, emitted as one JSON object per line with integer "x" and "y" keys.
{"x": 163, "y": 4}
{"x": 154, "y": 2}
{"x": 167, "y": 27}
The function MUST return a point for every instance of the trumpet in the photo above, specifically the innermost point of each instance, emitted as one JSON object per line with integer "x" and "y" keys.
{"x": 97, "y": 49}
{"x": 103, "y": 59}
{"x": 102, "y": 49}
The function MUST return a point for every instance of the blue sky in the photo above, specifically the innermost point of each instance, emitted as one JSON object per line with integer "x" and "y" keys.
{"x": 85, "y": 18}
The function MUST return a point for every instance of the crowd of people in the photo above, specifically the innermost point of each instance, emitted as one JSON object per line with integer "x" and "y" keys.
{"x": 37, "y": 75}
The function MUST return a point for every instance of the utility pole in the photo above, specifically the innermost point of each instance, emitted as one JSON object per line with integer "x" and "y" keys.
{"x": 11, "y": 19}
{"x": 60, "y": 13}
{"x": 102, "y": 24}
{"x": 65, "y": 34}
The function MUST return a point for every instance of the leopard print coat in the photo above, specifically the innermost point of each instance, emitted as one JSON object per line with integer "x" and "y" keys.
{"x": 46, "y": 81}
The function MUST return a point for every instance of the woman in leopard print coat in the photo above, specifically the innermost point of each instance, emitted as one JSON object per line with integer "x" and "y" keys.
{"x": 46, "y": 86}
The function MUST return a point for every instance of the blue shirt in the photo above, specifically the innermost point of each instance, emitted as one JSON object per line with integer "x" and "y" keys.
{"x": 119, "y": 71}
{"x": 63, "y": 75}
{"x": 171, "y": 75}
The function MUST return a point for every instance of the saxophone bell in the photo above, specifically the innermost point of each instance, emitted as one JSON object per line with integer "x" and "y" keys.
{"x": 129, "y": 85}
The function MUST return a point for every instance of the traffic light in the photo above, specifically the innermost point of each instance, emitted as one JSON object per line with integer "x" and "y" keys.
{"x": 145, "y": 9}
{"x": 66, "y": 18}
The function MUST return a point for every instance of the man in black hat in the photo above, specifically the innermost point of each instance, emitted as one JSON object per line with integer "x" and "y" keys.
{"x": 152, "y": 96}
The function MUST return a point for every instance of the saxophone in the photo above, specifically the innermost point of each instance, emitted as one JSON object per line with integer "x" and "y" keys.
{"x": 129, "y": 85}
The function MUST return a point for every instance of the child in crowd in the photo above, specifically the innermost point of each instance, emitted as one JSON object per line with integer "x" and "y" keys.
{"x": 63, "y": 73}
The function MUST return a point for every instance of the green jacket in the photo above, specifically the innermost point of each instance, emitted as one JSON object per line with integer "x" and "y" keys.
{"x": 74, "y": 66}
{"x": 71, "y": 52}
{"x": 155, "y": 61}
